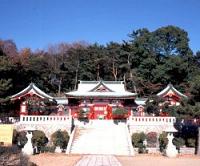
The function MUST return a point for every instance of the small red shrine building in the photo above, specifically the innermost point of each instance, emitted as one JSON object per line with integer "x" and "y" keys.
{"x": 99, "y": 99}
{"x": 171, "y": 95}
{"x": 32, "y": 100}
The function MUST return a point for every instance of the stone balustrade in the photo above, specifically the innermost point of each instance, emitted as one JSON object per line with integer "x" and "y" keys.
{"x": 152, "y": 120}
{"x": 47, "y": 124}
{"x": 150, "y": 124}
{"x": 44, "y": 119}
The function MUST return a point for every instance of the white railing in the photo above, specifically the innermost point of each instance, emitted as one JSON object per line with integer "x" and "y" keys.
{"x": 151, "y": 120}
{"x": 44, "y": 119}
{"x": 71, "y": 139}
{"x": 132, "y": 153}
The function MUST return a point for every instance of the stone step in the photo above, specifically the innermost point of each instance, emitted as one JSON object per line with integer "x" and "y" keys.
{"x": 105, "y": 139}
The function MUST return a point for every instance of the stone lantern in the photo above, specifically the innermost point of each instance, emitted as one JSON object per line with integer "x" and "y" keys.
{"x": 171, "y": 150}
{"x": 28, "y": 147}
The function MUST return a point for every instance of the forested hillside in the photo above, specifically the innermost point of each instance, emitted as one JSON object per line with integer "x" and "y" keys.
{"x": 147, "y": 62}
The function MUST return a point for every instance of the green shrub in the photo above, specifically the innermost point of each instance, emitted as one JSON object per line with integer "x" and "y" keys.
{"x": 163, "y": 141}
{"x": 119, "y": 113}
{"x": 83, "y": 115}
{"x": 15, "y": 136}
{"x": 20, "y": 138}
{"x": 151, "y": 139}
{"x": 39, "y": 140}
{"x": 60, "y": 138}
{"x": 137, "y": 141}
{"x": 138, "y": 138}
{"x": 50, "y": 149}
{"x": 190, "y": 142}
{"x": 178, "y": 142}
{"x": 141, "y": 148}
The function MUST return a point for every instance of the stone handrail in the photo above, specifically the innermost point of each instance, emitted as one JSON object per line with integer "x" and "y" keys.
{"x": 151, "y": 120}
{"x": 44, "y": 119}
{"x": 71, "y": 139}
{"x": 132, "y": 153}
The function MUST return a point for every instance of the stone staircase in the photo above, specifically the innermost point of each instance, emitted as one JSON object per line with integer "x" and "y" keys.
{"x": 102, "y": 137}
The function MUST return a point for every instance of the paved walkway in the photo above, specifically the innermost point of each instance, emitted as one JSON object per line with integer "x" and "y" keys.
{"x": 98, "y": 160}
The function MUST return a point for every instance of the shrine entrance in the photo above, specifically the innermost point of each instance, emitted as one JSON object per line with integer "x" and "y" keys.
{"x": 100, "y": 111}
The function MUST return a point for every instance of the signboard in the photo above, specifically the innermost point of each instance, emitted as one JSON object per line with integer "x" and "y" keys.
{"x": 6, "y": 134}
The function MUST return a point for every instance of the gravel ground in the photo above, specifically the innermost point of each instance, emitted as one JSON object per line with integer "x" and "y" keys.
{"x": 52, "y": 159}
{"x": 49, "y": 159}
{"x": 155, "y": 160}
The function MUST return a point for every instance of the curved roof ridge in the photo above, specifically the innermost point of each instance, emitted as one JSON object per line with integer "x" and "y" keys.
{"x": 106, "y": 82}
{"x": 98, "y": 85}
{"x": 170, "y": 87}
{"x": 31, "y": 86}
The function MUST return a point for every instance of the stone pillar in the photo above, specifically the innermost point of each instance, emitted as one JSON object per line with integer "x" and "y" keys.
{"x": 198, "y": 143}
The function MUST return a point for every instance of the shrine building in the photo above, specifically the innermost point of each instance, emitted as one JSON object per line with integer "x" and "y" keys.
{"x": 33, "y": 101}
{"x": 96, "y": 99}
{"x": 171, "y": 95}
{"x": 99, "y": 99}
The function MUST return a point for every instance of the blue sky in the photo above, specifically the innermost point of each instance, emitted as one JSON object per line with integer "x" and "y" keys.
{"x": 37, "y": 23}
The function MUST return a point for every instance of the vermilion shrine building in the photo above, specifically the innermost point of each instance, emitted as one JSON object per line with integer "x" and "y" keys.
{"x": 32, "y": 100}
{"x": 100, "y": 98}
{"x": 171, "y": 95}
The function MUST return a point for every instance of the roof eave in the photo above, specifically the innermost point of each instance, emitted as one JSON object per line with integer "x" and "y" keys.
{"x": 170, "y": 87}
{"x": 31, "y": 86}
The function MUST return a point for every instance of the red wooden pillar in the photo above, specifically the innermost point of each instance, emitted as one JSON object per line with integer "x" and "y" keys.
{"x": 23, "y": 108}
{"x": 91, "y": 114}
{"x": 129, "y": 111}
{"x": 109, "y": 112}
